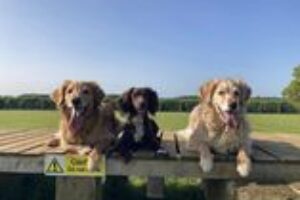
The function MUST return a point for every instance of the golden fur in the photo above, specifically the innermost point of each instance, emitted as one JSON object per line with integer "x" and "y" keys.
{"x": 215, "y": 127}
{"x": 96, "y": 125}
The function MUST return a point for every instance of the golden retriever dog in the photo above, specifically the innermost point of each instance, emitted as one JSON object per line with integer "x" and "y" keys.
{"x": 218, "y": 124}
{"x": 87, "y": 126}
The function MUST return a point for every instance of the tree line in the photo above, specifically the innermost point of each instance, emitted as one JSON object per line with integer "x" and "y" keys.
{"x": 255, "y": 105}
{"x": 178, "y": 104}
{"x": 27, "y": 102}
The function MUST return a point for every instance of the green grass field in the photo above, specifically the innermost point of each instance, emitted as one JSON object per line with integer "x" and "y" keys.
{"x": 265, "y": 123}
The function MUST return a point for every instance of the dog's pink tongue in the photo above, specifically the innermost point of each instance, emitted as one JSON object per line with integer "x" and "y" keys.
{"x": 230, "y": 120}
{"x": 76, "y": 124}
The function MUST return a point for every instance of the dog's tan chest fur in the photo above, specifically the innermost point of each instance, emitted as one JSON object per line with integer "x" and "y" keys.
{"x": 205, "y": 126}
{"x": 226, "y": 141}
{"x": 96, "y": 131}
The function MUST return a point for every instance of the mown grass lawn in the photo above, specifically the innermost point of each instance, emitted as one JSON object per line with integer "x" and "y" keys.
{"x": 264, "y": 123}
{"x": 28, "y": 119}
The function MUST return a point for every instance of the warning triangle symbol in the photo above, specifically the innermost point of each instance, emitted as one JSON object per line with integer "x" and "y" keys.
{"x": 54, "y": 167}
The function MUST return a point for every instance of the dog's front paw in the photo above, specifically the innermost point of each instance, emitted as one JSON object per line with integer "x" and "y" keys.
{"x": 71, "y": 150}
{"x": 92, "y": 165}
{"x": 206, "y": 164}
{"x": 94, "y": 161}
{"x": 54, "y": 142}
{"x": 244, "y": 167}
{"x": 84, "y": 151}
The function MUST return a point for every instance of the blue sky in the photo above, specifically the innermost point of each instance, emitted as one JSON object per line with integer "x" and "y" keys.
{"x": 173, "y": 46}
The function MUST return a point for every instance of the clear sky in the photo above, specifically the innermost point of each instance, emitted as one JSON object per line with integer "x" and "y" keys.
{"x": 171, "y": 45}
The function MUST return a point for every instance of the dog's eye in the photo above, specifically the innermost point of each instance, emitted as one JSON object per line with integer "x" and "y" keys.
{"x": 137, "y": 94}
{"x": 221, "y": 93}
{"x": 85, "y": 91}
{"x": 70, "y": 91}
{"x": 236, "y": 93}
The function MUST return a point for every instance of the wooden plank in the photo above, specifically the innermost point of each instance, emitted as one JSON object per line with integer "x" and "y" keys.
{"x": 288, "y": 138}
{"x": 262, "y": 172}
{"x": 22, "y": 164}
{"x": 29, "y": 143}
{"x": 275, "y": 172}
{"x": 14, "y": 134}
{"x": 11, "y": 131}
{"x": 168, "y": 168}
{"x": 14, "y": 138}
{"x": 38, "y": 150}
{"x": 281, "y": 150}
{"x": 75, "y": 188}
{"x": 56, "y": 150}
{"x": 39, "y": 146}
{"x": 4, "y": 133}
{"x": 34, "y": 145}
{"x": 260, "y": 155}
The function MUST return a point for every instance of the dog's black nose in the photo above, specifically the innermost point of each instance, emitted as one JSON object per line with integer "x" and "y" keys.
{"x": 76, "y": 102}
{"x": 233, "y": 106}
{"x": 143, "y": 105}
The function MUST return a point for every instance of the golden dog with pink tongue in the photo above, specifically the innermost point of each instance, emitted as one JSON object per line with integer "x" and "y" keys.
{"x": 87, "y": 125}
{"x": 218, "y": 124}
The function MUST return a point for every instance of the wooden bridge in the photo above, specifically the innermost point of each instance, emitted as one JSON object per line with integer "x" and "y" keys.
{"x": 276, "y": 160}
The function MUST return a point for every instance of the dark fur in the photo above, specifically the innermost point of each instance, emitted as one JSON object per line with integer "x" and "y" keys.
{"x": 150, "y": 140}
{"x": 150, "y": 96}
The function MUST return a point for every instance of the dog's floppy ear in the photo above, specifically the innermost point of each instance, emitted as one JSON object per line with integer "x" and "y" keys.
{"x": 125, "y": 101}
{"x": 207, "y": 90}
{"x": 58, "y": 95}
{"x": 98, "y": 93}
{"x": 153, "y": 101}
{"x": 245, "y": 91}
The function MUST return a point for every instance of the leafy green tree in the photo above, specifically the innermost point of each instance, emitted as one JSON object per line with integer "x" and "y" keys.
{"x": 292, "y": 91}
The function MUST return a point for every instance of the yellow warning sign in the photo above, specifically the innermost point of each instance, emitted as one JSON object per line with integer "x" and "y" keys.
{"x": 76, "y": 164}
{"x": 72, "y": 165}
{"x": 54, "y": 167}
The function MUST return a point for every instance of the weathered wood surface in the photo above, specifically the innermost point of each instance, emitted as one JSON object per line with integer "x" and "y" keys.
{"x": 276, "y": 158}
{"x": 266, "y": 148}
{"x": 24, "y": 142}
